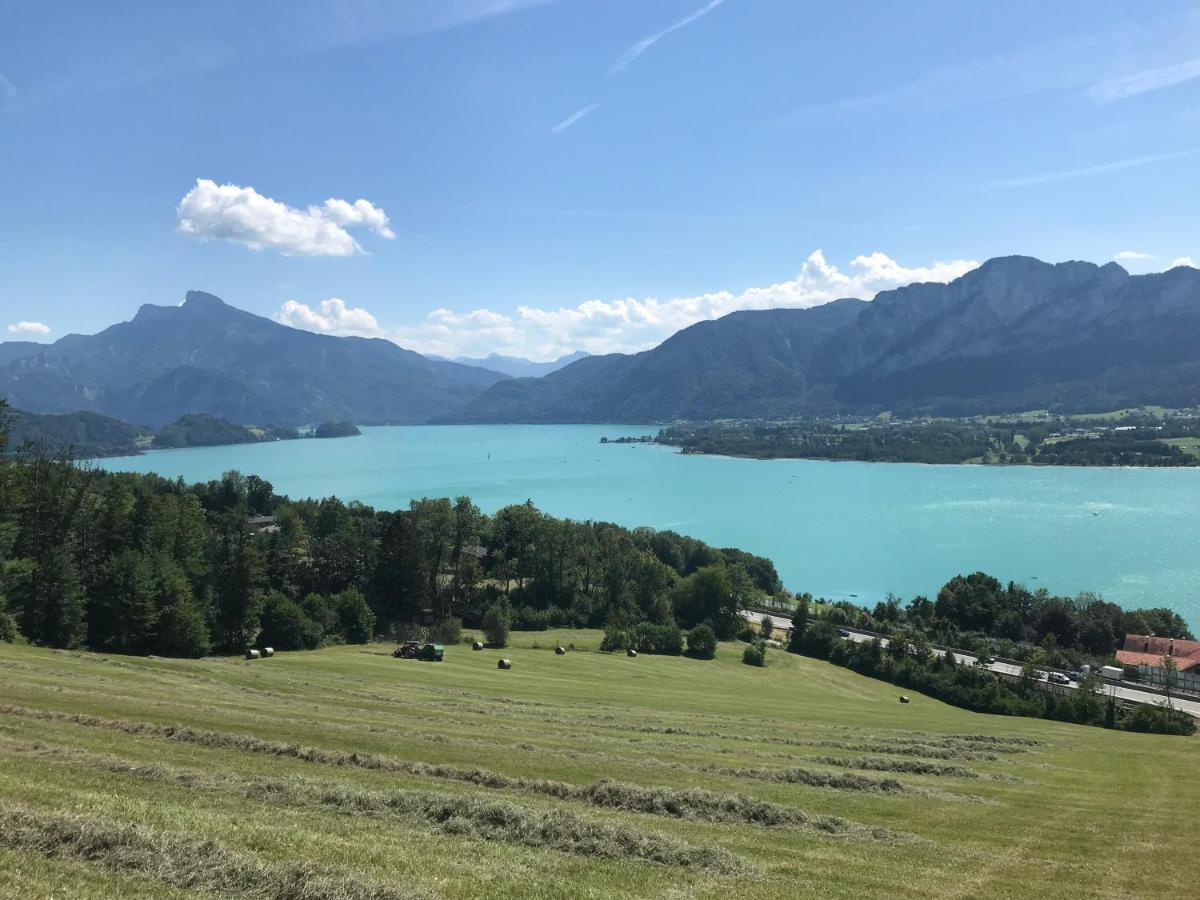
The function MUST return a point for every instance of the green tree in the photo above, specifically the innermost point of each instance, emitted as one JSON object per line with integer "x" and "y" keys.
{"x": 799, "y": 624}
{"x": 122, "y": 616}
{"x": 702, "y": 642}
{"x": 400, "y": 586}
{"x": 240, "y": 581}
{"x": 182, "y": 630}
{"x": 1170, "y": 672}
{"x": 497, "y": 622}
{"x": 284, "y": 626}
{"x": 766, "y": 627}
{"x": 355, "y": 618}
{"x": 707, "y": 595}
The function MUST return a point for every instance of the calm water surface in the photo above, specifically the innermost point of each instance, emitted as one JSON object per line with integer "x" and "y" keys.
{"x": 835, "y": 529}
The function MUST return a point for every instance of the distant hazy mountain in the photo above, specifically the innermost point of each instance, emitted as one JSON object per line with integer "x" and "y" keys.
{"x": 207, "y": 357}
{"x": 1014, "y": 334}
{"x": 518, "y": 367}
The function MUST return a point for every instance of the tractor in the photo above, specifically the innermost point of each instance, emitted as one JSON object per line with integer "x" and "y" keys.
{"x": 417, "y": 650}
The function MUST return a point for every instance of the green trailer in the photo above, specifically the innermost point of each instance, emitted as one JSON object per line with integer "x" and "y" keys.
{"x": 432, "y": 653}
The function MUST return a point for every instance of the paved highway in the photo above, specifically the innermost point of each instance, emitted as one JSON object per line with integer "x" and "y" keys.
{"x": 1108, "y": 688}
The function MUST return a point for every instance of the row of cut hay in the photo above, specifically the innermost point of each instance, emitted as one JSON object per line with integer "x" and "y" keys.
{"x": 180, "y": 861}
{"x": 709, "y": 806}
{"x": 906, "y": 766}
{"x": 681, "y": 804}
{"x": 839, "y": 781}
{"x": 899, "y": 747}
{"x": 479, "y": 817}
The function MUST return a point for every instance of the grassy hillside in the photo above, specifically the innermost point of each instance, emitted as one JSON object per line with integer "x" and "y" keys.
{"x": 346, "y": 773}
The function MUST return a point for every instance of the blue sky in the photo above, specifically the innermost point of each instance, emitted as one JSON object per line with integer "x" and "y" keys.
{"x": 538, "y": 177}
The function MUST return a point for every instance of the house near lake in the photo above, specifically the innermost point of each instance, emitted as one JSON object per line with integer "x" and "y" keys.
{"x": 1147, "y": 654}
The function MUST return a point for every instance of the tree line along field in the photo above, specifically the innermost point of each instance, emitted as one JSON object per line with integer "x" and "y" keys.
{"x": 345, "y": 773}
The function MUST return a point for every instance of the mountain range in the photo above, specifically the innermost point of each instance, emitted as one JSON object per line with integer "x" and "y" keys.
{"x": 1014, "y": 334}
{"x": 517, "y": 366}
{"x": 205, "y": 356}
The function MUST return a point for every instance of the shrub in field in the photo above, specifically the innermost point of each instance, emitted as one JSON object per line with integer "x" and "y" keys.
{"x": 662, "y": 639}
{"x": 1159, "y": 720}
{"x": 355, "y": 619}
{"x": 448, "y": 631}
{"x": 497, "y": 622}
{"x": 702, "y": 642}
{"x": 618, "y": 635}
{"x": 284, "y": 625}
{"x": 182, "y": 630}
{"x": 755, "y": 654}
{"x": 319, "y": 609}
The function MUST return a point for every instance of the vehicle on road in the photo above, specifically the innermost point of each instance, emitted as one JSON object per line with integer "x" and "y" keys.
{"x": 842, "y": 632}
{"x": 1112, "y": 673}
{"x": 985, "y": 660}
{"x": 1058, "y": 678}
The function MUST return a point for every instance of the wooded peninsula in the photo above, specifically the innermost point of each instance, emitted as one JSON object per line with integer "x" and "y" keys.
{"x": 1138, "y": 437}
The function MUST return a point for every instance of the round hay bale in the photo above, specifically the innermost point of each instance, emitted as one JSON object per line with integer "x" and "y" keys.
{"x": 252, "y": 654}
{"x": 903, "y": 698}
{"x": 631, "y": 652}
{"x": 504, "y": 664}
{"x": 477, "y": 646}
{"x": 559, "y": 650}
{"x": 268, "y": 651}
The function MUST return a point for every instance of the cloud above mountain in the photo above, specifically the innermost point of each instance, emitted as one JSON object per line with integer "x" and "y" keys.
{"x": 626, "y": 325}
{"x": 28, "y": 328}
{"x": 230, "y": 212}
{"x": 331, "y": 316}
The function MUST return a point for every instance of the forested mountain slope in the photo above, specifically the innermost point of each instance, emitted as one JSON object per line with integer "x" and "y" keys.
{"x": 1016, "y": 333}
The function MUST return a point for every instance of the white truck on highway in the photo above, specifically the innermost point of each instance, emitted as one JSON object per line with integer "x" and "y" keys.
{"x": 1112, "y": 673}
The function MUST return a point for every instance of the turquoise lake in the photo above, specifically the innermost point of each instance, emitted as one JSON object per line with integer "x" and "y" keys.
{"x": 837, "y": 529}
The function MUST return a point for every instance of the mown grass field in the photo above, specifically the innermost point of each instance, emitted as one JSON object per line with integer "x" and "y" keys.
{"x": 345, "y": 773}
{"x": 1189, "y": 445}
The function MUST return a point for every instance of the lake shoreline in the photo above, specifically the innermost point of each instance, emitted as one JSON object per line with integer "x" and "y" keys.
{"x": 679, "y": 451}
{"x": 832, "y": 531}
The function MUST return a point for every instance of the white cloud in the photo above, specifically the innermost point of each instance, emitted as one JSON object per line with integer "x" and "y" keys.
{"x": 1132, "y": 256}
{"x": 1104, "y": 168}
{"x": 9, "y": 98}
{"x": 1145, "y": 81}
{"x": 193, "y": 38}
{"x": 331, "y": 316}
{"x": 28, "y": 328}
{"x": 637, "y": 49}
{"x": 240, "y": 214}
{"x": 631, "y": 324}
{"x": 1182, "y": 261}
{"x": 1073, "y": 63}
{"x": 575, "y": 117}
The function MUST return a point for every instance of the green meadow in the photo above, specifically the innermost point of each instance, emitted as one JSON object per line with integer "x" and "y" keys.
{"x": 345, "y": 773}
